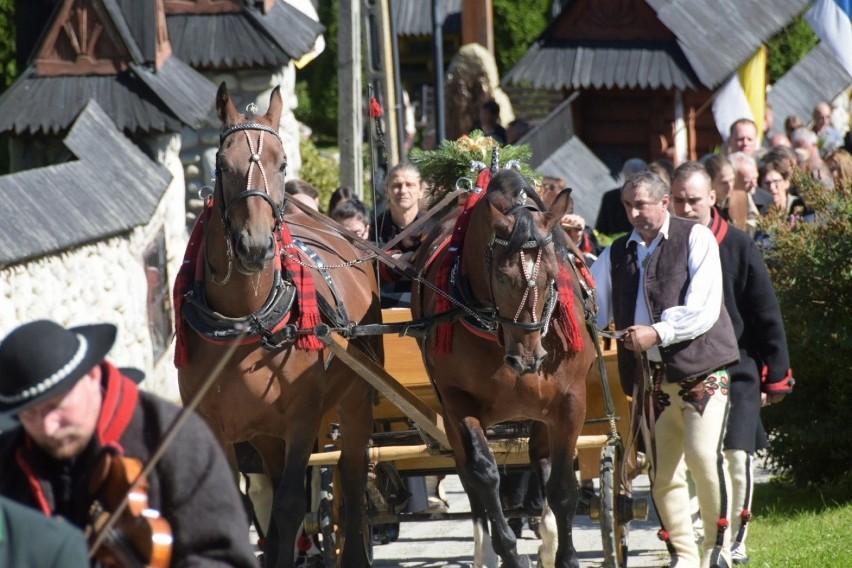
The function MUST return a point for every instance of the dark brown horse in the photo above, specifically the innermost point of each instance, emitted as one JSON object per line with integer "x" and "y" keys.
{"x": 274, "y": 391}
{"x": 515, "y": 273}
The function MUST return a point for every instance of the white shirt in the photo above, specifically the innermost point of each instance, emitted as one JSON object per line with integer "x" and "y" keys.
{"x": 703, "y": 301}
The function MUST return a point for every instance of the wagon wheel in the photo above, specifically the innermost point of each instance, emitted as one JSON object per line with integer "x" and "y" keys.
{"x": 327, "y": 518}
{"x": 614, "y": 525}
{"x": 330, "y": 512}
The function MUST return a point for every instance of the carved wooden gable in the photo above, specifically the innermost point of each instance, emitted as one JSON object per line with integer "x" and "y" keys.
{"x": 82, "y": 41}
{"x": 610, "y": 20}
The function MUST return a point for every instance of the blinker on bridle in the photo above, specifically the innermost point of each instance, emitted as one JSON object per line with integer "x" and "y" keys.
{"x": 530, "y": 277}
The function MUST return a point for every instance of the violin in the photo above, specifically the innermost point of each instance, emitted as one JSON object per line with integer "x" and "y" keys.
{"x": 138, "y": 536}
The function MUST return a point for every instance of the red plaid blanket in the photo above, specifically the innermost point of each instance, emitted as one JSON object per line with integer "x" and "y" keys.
{"x": 192, "y": 270}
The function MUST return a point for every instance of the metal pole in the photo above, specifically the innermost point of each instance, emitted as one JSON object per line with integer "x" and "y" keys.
{"x": 438, "y": 46}
{"x": 402, "y": 134}
{"x": 350, "y": 127}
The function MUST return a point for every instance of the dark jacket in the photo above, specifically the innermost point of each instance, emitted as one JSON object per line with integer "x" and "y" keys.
{"x": 395, "y": 290}
{"x": 192, "y": 485}
{"x": 29, "y": 539}
{"x": 666, "y": 283}
{"x": 764, "y": 360}
{"x": 612, "y": 218}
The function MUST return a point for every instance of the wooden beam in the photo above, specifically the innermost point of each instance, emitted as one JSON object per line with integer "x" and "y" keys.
{"x": 411, "y": 406}
{"x": 478, "y": 23}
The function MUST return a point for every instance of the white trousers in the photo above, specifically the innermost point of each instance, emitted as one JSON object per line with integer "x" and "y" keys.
{"x": 741, "y": 472}
{"x": 689, "y": 429}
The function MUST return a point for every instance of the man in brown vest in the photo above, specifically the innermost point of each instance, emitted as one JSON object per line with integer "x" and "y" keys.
{"x": 662, "y": 283}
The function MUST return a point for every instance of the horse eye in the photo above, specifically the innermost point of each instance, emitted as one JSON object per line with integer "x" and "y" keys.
{"x": 283, "y": 168}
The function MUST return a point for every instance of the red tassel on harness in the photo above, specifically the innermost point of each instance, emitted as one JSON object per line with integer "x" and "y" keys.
{"x": 306, "y": 289}
{"x": 376, "y": 108}
{"x": 565, "y": 312}
{"x": 444, "y": 333}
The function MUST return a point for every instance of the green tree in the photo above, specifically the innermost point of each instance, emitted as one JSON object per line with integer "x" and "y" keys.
{"x": 809, "y": 263}
{"x": 8, "y": 66}
{"x": 788, "y": 46}
{"x": 316, "y": 87}
{"x": 516, "y": 26}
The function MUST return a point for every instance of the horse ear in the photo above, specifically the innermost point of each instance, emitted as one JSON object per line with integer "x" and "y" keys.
{"x": 557, "y": 209}
{"x": 273, "y": 113}
{"x": 225, "y": 109}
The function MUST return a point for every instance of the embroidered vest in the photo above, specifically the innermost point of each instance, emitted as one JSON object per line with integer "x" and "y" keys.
{"x": 666, "y": 282}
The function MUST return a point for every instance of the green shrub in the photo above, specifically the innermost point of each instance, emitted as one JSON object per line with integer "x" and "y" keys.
{"x": 811, "y": 268}
{"x": 320, "y": 170}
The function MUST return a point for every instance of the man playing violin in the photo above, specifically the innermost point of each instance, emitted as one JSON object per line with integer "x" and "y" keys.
{"x": 76, "y": 412}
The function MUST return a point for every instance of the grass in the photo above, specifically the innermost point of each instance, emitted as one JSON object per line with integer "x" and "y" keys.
{"x": 795, "y": 527}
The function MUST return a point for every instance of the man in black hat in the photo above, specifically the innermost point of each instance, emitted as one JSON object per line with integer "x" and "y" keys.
{"x": 74, "y": 408}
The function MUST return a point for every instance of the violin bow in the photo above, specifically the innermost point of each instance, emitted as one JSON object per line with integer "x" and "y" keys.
{"x": 166, "y": 441}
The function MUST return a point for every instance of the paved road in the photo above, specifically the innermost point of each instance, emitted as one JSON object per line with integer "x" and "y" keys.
{"x": 436, "y": 544}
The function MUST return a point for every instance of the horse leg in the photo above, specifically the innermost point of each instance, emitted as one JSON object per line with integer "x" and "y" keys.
{"x": 286, "y": 463}
{"x": 540, "y": 460}
{"x": 356, "y": 425}
{"x": 484, "y": 480}
{"x": 483, "y": 553}
{"x": 562, "y": 492}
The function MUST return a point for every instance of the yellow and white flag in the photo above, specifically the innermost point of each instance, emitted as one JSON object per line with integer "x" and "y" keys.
{"x": 743, "y": 95}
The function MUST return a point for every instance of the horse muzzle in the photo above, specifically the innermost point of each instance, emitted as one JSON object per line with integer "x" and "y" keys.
{"x": 253, "y": 254}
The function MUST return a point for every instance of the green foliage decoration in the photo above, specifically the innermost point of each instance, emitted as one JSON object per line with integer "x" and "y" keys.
{"x": 455, "y": 160}
{"x": 811, "y": 429}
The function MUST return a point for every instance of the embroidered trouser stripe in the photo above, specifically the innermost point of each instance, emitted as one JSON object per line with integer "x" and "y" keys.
{"x": 684, "y": 434}
{"x": 741, "y": 472}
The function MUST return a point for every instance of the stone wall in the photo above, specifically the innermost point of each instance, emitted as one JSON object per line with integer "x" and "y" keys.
{"x": 199, "y": 146}
{"x": 106, "y": 282}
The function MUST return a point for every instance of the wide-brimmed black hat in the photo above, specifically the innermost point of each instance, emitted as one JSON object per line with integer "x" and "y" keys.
{"x": 41, "y": 359}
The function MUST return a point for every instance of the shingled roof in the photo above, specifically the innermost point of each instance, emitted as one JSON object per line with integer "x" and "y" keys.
{"x": 117, "y": 52}
{"x": 816, "y": 77}
{"x": 245, "y": 38}
{"x": 718, "y": 37}
{"x": 414, "y": 17}
{"x": 53, "y": 209}
{"x": 611, "y": 45}
{"x": 650, "y": 44}
{"x": 137, "y": 100}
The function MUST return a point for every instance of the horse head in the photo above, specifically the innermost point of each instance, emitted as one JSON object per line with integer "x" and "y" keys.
{"x": 250, "y": 168}
{"x": 522, "y": 266}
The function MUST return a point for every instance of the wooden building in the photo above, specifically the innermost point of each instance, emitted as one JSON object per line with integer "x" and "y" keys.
{"x": 645, "y": 71}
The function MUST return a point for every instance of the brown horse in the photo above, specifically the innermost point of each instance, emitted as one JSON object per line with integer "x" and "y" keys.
{"x": 274, "y": 390}
{"x": 515, "y": 274}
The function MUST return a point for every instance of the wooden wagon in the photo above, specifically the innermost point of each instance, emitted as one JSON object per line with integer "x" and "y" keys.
{"x": 409, "y": 440}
